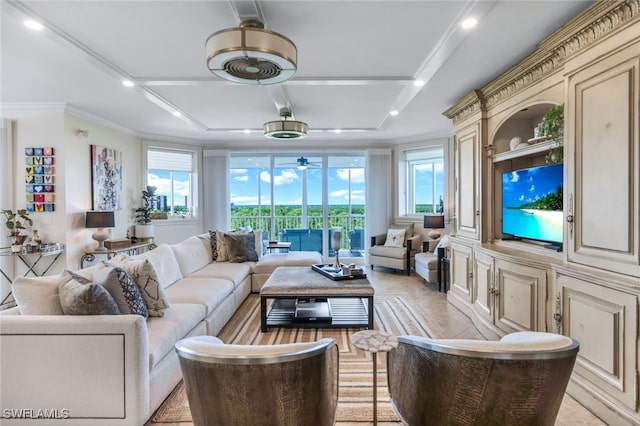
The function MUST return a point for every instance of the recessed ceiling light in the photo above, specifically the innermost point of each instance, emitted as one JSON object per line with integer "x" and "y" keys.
{"x": 394, "y": 112}
{"x": 34, "y": 25}
{"x": 337, "y": 131}
{"x": 418, "y": 83}
{"x": 469, "y": 23}
{"x": 177, "y": 114}
{"x": 247, "y": 131}
{"x": 127, "y": 83}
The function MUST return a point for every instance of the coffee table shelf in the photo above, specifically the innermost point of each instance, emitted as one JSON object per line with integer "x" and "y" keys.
{"x": 345, "y": 312}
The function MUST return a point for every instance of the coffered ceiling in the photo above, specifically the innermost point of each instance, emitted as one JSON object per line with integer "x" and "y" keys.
{"x": 357, "y": 61}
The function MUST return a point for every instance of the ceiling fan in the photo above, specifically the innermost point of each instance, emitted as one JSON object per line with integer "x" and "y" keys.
{"x": 303, "y": 163}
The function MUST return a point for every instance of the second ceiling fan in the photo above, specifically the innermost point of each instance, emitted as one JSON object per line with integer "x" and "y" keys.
{"x": 303, "y": 163}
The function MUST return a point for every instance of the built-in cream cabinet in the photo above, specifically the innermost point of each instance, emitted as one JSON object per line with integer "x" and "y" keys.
{"x": 591, "y": 290}
{"x": 603, "y": 163}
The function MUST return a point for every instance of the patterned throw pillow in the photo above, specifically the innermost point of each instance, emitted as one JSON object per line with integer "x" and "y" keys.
{"x": 146, "y": 278}
{"x": 123, "y": 289}
{"x": 79, "y": 298}
{"x": 241, "y": 247}
{"x": 395, "y": 238}
{"x": 213, "y": 237}
{"x": 221, "y": 249}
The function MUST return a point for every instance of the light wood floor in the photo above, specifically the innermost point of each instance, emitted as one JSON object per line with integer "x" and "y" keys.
{"x": 451, "y": 323}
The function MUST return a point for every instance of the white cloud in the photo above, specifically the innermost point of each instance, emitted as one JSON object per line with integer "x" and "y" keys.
{"x": 514, "y": 177}
{"x": 285, "y": 177}
{"x": 357, "y": 175}
{"x": 244, "y": 178}
{"x": 248, "y": 200}
{"x": 356, "y": 195}
{"x": 533, "y": 188}
{"x": 239, "y": 171}
{"x": 164, "y": 186}
{"x": 340, "y": 193}
{"x": 521, "y": 198}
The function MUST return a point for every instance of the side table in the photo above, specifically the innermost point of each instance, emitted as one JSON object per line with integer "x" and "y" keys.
{"x": 443, "y": 269}
{"x": 131, "y": 250}
{"x": 30, "y": 260}
{"x": 374, "y": 341}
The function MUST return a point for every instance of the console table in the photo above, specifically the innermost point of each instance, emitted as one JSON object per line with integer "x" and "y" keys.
{"x": 130, "y": 250}
{"x": 30, "y": 260}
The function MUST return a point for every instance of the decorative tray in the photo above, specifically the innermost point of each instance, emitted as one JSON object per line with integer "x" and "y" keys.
{"x": 334, "y": 273}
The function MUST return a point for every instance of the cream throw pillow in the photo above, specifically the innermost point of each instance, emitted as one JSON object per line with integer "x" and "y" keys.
{"x": 395, "y": 238}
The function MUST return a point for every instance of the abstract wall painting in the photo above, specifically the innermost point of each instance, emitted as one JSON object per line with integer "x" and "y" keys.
{"x": 106, "y": 174}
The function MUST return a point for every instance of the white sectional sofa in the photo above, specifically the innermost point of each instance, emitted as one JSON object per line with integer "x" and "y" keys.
{"x": 118, "y": 369}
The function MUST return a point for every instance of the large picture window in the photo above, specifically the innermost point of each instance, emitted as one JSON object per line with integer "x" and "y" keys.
{"x": 173, "y": 173}
{"x": 300, "y": 202}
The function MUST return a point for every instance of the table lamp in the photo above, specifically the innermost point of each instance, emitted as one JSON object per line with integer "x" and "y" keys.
{"x": 100, "y": 220}
{"x": 434, "y": 221}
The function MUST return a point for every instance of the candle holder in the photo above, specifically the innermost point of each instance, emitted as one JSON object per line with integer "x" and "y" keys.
{"x": 336, "y": 244}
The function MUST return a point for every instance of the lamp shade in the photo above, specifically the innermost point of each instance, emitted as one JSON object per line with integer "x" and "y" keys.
{"x": 434, "y": 221}
{"x": 102, "y": 219}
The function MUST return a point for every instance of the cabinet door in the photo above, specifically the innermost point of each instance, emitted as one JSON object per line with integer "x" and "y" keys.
{"x": 467, "y": 183}
{"x": 460, "y": 272}
{"x": 520, "y": 297}
{"x": 603, "y": 165}
{"x": 483, "y": 286}
{"x": 604, "y": 320}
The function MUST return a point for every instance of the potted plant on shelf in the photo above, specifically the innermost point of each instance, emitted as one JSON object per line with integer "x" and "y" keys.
{"x": 552, "y": 125}
{"x": 15, "y": 223}
{"x": 143, "y": 229}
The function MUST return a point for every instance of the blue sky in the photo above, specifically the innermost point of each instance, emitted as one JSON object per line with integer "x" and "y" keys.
{"x": 523, "y": 186}
{"x": 288, "y": 186}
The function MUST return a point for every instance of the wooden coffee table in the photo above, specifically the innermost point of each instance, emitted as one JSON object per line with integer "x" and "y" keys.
{"x": 351, "y": 301}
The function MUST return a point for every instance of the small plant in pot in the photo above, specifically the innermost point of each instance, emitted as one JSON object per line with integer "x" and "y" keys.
{"x": 552, "y": 125}
{"x": 16, "y": 223}
{"x": 143, "y": 228}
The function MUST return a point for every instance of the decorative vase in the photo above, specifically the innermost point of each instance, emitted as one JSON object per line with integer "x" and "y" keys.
{"x": 336, "y": 245}
{"x": 16, "y": 243}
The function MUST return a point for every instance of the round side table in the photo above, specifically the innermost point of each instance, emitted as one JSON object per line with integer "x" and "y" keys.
{"x": 374, "y": 341}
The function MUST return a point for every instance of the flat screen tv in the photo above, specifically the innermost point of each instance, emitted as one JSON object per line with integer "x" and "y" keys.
{"x": 532, "y": 204}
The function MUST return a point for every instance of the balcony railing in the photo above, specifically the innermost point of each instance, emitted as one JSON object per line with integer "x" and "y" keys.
{"x": 352, "y": 227}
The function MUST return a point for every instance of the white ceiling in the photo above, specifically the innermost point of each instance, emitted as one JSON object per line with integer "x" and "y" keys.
{"x": 357, "y": 61}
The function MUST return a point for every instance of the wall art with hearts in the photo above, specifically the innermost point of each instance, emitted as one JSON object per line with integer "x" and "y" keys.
{"x": 39, "y": 176}
{"x": 106, "y": 174}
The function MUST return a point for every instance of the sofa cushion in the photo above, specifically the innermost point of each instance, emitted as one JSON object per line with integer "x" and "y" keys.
{"x": 191, "y": 255}
{"x": 241, "y": 247}
{"x": 77, "y": 298}
{"x": 206, "y": 239}
{"x": 38, "y": 295}
{"x": 392, "y": 252}
{"x": 234, "y": 272}
{"x": 208, "y": 292}
{"x": 269, "y": 262}
{"x": 166, "y": 331}
{"x": 146, "y": 278}
{"x": 165, "y": 264}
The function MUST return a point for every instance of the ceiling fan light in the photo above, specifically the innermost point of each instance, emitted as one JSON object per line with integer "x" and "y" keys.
{"x": 286, "y": 129}
{"x": 252, "y": 55}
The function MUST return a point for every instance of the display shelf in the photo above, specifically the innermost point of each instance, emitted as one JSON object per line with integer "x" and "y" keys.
{"x": 537, "y": 148}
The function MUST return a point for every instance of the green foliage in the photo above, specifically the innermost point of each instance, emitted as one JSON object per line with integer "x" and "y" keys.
{"x": 552, "y": 125}
{"x": 551, "y": 201}
{"x": 143, "y": 214}
{"x": 16, "y": 220}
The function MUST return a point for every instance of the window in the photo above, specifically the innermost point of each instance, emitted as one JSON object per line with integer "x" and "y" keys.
{"x": 274, "y": 193}
{"x": 425, "y": 180}
{"x": 173, "y": 173}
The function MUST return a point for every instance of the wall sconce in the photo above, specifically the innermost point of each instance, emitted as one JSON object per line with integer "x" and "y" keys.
{"x": 82, "y": 132}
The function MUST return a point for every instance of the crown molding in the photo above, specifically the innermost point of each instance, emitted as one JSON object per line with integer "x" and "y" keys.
{"x": 594, "y": 24}
{"x": 8, "y": 108}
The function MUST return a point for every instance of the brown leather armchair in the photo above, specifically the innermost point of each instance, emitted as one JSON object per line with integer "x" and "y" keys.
{"x": 519, "y": 380}
{"x": 237, "y": 385}
{"x": 402, "y": 258}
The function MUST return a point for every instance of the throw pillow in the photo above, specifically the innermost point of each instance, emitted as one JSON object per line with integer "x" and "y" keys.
{"x": 409, "y": 230}
{"x": 122, "y": 288}
{"x": 221, "y": 249}
{"x": 241, "y": 247}
{"x": 37, "y": 296}
{"x": 146, "y": 278}
{"x": 77, "y": 298}
{"x": 395, "y": 238}
{"x": 213, "y": 237}
{"x": 443, "y": 243}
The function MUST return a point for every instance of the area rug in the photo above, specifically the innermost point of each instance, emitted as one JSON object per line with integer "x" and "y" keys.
{"x": 394, "y": 314}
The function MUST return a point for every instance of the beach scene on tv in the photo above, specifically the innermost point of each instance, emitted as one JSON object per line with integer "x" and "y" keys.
{"x": 532, "y": 203}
